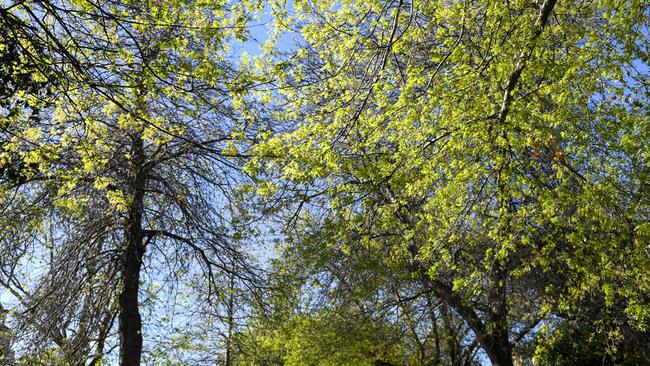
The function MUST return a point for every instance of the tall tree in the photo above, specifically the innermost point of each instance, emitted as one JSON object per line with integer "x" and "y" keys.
{"x": 496, "y": 151}
{"x": 135, "y": 162}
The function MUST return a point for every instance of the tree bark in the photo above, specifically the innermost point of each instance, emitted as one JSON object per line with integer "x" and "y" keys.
{"x": 130, "y": 322}
{"x": 499, "y": 352}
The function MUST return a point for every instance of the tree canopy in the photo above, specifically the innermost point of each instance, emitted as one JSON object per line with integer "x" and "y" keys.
{"x": 325, "y": 182}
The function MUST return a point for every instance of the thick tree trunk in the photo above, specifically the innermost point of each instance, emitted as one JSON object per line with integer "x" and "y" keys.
{"x": 496, "y": 344}
{"x": 500, "y": 353}
{"x": 130, "y": 323}
{"x": 498, "y": 347}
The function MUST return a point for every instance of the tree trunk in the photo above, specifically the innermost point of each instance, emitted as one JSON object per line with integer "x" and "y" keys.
{"x": 492, "y": 336}
{"x": 498, "y": 346}
{"x": 130, "y": 323}
{"x": 437, "y": 356}
{"x": 500, "y": 353}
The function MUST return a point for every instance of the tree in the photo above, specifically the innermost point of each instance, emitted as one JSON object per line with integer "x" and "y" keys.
{"x": 25, "y": 90}
{"x": 572, "y": 344}
{"x": 289, "y": 327}
{"x": 319, "y": 286}
{"x": 493, "y": 151}
{"x": 135, "y": 162}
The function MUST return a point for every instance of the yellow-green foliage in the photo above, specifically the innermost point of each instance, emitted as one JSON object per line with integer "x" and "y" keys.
{"x": 476, "y": 137}
{"x": 322, "y": 339}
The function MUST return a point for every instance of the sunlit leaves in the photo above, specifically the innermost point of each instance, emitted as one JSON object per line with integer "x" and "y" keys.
{"x": 475, "y": 135}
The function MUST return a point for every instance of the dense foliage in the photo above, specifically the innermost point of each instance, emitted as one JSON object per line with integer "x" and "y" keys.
{"x": 431, "y": 182}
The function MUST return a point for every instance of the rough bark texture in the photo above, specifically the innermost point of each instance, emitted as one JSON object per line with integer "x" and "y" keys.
{"x": 130, "y": 322}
